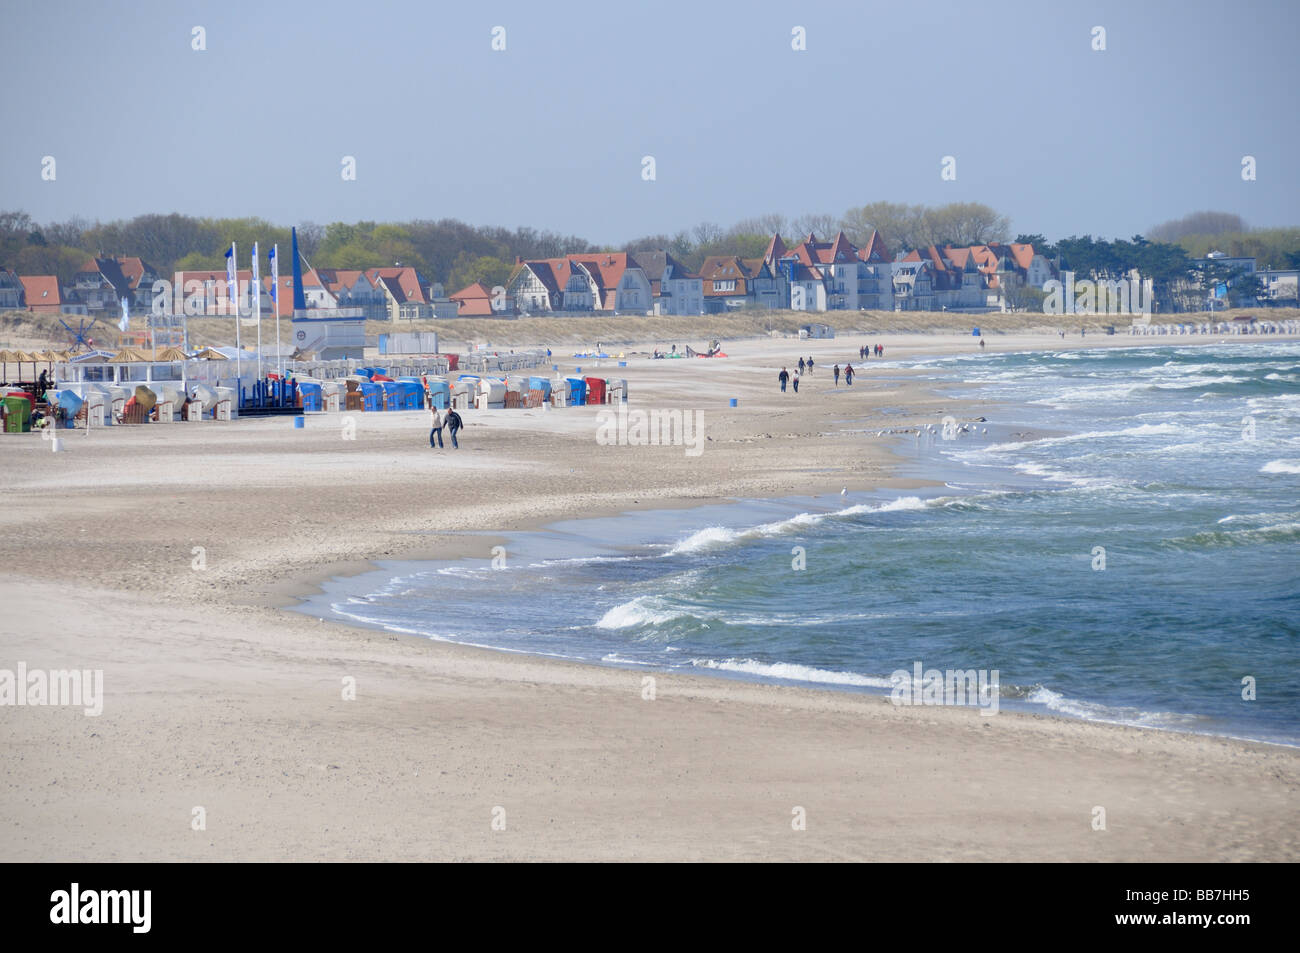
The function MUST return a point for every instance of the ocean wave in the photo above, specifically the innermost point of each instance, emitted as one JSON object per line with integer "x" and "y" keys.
{"x": 643, "y": 610}
{"x": 789, "y": 671}
{"x": 1211, "y": 539}
{"x": 1091, "y": 711}
{"x": 716, "y": 537}
{"x": 1281, "y": 466}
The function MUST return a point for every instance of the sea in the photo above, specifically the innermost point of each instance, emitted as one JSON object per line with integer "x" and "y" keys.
{"x": 1119, "y": 541}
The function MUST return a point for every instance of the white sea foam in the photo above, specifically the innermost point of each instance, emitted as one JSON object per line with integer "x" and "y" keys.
{"x": 1091, "y": 711}
{"x": 715, "y": 537}
{"x": 1281, "y": 466}
{"x": 792, "y": 672}
{"x": 643, "y": 610}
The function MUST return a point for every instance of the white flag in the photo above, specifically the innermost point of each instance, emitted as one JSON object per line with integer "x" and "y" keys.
{"x": 256, "y": 314}
{"x": 126, "y": 318}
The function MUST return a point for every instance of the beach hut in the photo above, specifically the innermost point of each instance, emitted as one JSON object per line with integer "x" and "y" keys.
{"x": 329, "y": 395}
{"x": 462, "y": 392}
{"x": 595, "y": 390}
{"x": 577, "y": 391}
{"x": 410, "y": 394}
{"x": 560, "y": 392}
{"x": 390, "y": 392}
{"x": 491, "y": 392}
{"x": 17, "y": 413}
{"x": 372, "y": 397}
{"x": 439, "y": 394}
{"x": 203, "y": 401}
{"x": 311, "y": 395}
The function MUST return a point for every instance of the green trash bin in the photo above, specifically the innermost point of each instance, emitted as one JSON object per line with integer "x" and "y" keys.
{"x": 18, "y": 415}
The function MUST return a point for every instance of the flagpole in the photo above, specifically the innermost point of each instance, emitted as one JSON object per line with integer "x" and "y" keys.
{"x": 232, "y": 282}
{"x": 257, "y": 309}
{"x": 275, "y": 300}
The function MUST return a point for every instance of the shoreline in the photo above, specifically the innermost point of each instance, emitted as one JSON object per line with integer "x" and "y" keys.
{"x": 218, "y": 689}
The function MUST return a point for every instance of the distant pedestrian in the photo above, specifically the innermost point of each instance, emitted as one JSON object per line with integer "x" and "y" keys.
{"x": 794, "y": 382}
{"x": 454, "y": 423}
{"x": 981, "y": 342}
{"x": 810, "y": 364}
{"x": 848, "y": 374}
{"x": 784, "y": 378}
{"x": 801, "y": 365}
{"x": 836, "y": 371}
{"x": 436, "y": 432}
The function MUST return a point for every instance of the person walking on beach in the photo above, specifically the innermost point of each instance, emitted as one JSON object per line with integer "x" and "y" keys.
{"x": 437, "y": 427}
{"x": 801, "y": 365}
{"x": 783, "y": 377}
{"x": 981, "y": 343}
{"x": 810, "y": 363}
{"x": 454, "y": 423}
{"x": 794, "y": 382}
{"x": 836, "y": 371}
{"x": 848, "y": 374}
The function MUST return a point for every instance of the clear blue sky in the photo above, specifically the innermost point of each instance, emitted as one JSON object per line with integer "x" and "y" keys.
{"x": 551, "y": 132}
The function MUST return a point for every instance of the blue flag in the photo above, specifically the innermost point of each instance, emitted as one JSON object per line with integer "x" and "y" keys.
{"x": 232, "y": 280}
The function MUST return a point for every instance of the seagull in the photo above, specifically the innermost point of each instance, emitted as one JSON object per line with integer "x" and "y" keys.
{"x": 985, "y": 430}
{"x": 844, "y": 490}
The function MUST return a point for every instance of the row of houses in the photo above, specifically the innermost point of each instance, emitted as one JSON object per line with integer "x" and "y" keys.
{"x": 99, "y": 287}
{"x": 812, "y": 275}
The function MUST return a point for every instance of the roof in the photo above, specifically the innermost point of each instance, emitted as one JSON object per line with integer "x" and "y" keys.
{"x": 112, "y": 272}
{"x": 406, "y": 279}
{"x": 874, "y": 249}
{"x": 475, "y": 299}
{"x": 40, "y": 289}
{"x": 775, "y": 248}
{"x": 134, "y": 269}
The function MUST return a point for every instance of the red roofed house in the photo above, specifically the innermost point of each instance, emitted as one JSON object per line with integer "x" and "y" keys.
{"x": 731, "y": 283}
{"x": 603, "y": 281}
{"x": 41, "y": 294}
{"x": 474, "y": 301}
{"x": 406, "y": 293}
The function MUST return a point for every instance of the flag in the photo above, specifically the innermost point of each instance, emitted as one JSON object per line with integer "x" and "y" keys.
{"x": 256, "y": 316}
{"x": 275, "y": 279}
{"x": 232, "y": 279}
{"x": 126, "y": 318}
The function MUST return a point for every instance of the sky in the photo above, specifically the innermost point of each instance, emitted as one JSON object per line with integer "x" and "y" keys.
{"x": 553, "y": 130}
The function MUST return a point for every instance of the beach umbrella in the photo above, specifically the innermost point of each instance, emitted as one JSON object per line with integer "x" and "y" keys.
{"x": 170, "y": 354}
{"x": 129, "y": 355}
{"x": 210, "y": 354}
{"x": 24, "y": 357}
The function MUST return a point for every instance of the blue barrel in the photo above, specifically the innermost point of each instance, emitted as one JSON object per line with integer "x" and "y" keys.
{"x": 733, "y": 402}
{"x": 299, "y": 422}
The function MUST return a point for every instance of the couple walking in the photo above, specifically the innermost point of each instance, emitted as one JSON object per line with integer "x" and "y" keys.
{"x": 453, "y": 423}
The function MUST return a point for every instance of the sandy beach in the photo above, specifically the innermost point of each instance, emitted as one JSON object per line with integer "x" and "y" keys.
{"x": 165, "y": 555}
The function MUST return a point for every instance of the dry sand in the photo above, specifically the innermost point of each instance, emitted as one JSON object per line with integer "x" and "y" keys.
{"x": 216, "y": 698}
